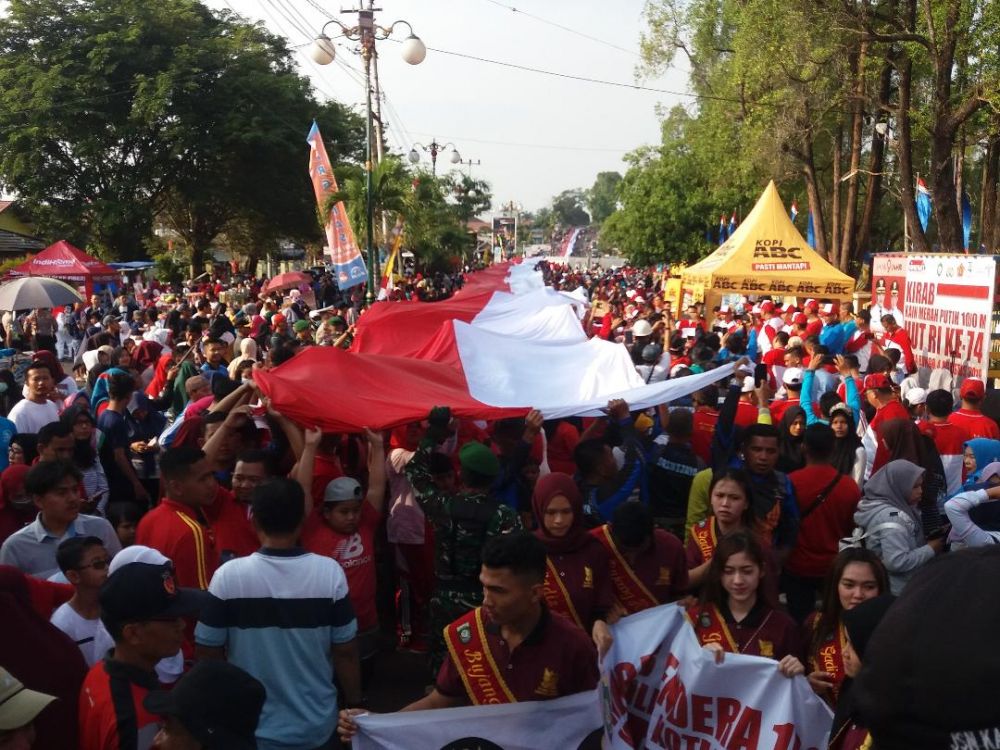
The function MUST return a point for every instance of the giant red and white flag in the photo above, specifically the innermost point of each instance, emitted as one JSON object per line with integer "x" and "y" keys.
{"x": 486, "y": 354}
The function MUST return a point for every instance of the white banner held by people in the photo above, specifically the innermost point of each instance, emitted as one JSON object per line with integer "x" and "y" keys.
{"x": 560, "y": 724}
{"x": 661, "y": 689}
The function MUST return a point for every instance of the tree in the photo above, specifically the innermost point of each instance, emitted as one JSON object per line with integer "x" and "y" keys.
{"x": 568, "y": 208}
{"x": 391, "y": 188}
{"x": 472, "y": 197}
{"x": 602, "y": 198}
{"x": 113, "y": 110}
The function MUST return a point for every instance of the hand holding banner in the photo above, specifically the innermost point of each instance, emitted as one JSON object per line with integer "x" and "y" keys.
{"x": 661, "y": 689}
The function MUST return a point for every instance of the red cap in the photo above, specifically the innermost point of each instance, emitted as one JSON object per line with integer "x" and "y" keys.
{"x": 877, "y": 381}
{"x": 831, "y": 308}
{"x": 767, "y": 306}
{"x": 800, "y": 319}
{"x": 811, "y": 303}
{"x": 789, "y": 308}
{"x": 972, "y": 387}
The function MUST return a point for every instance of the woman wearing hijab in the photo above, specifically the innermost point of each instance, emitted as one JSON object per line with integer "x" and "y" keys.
{"x": 977, "y": 455}
{"x": 43, "y": 658}
{"x": 973, "y": 513}
{"x": 791, "y": 429}
{"x": 577, "y": 579}
{"x": 16, "y": 507}
{"x": 145, "y": 360}
{"x": 99, "y": 397}
{"x": 902, "y": 439}
{"x": 848, "y": 453}
{"x": 248, "y": 351}
{"x": 891, "y": 524}
{"x": 848, "y": 732}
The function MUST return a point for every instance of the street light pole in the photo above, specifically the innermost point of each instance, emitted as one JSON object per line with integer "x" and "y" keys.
{"x": 434, "y": 148}
{"x": 324, "y": 52}
{"x": 470, "y": 164}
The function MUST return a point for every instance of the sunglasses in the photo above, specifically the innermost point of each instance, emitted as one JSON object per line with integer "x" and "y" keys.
{"x": 96, "y": 564}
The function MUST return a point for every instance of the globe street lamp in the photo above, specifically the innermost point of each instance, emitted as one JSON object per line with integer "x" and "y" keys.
{"x": 434, "y": 148}
{"x": 323, "y": 52}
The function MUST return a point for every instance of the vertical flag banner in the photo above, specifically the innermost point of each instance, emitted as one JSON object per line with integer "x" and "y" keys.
{"x": 722, "y": 229}
{"x": 795, "y": 209}
{"x": 348, "y": 266}
{"x": 811, "y": 231}
{"x": 389, "y": 272}
{"x": 966, "y": 221}
{"x": 923, "y": 204}
{"x": 732, "y": 223}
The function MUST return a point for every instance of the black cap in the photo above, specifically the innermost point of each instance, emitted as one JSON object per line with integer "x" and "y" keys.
{"x": 862, "y": 621}
{"x": 143, "y": 591}
{"x": 217, "y": 702}
{"x": 927, "y": 671}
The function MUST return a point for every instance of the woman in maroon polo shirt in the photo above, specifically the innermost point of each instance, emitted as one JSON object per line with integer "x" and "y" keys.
{"x": 577, "y": 578}
{"x": 856, "y": 576}
{"x": 734, "y": 614}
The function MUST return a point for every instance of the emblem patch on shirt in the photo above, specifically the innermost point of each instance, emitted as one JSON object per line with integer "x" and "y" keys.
{"x": 588, "y": 577}
{"x": 548, "y": 687}
{"x": 766, "y": 648}
{"x": 465, "y": 633}
{"x": 664, "y": 577}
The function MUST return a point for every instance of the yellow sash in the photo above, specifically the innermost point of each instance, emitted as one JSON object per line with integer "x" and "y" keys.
{"x": 705, "y": 537}
{"x": 710, "y": 627}
{"x": 632, "y": 594}
{"x": 556, "y": 596}
{"x": 470, "y": 652}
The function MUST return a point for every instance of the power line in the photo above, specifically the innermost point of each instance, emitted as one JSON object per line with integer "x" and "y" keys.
{"x": 564, "y": 28}
{"x": 463, "y": 138}
{"x": 571, "y": 76}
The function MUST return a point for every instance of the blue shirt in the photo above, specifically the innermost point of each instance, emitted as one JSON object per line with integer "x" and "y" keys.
{"x": 277, "y": 612}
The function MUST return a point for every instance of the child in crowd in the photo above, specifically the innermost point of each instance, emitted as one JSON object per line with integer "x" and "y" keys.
{"x": 84, "y": 561}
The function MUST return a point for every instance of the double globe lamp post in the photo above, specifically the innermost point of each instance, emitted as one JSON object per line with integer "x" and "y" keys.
{"x": 324, "y": 52}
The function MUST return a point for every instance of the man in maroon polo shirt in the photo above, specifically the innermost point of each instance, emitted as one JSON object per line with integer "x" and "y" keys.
{"x": 512, "y": 649}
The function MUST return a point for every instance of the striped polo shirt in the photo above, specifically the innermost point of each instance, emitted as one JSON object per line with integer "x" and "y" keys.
{"x": 277, "y": 612}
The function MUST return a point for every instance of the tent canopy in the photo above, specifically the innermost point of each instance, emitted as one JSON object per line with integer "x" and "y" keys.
{"x": 63, "y": 261}
{"x": 766, "y": 255}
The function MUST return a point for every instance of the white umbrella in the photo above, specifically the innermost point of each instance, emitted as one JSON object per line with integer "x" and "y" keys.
{"x": 32, "y": 292}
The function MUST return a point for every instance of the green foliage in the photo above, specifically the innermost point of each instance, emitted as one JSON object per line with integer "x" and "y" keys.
{"x": 115, "y": 111}
{"x": 602, "y": 197}
{"x": 568, "y": 208}
{"x": 10, "y": 263}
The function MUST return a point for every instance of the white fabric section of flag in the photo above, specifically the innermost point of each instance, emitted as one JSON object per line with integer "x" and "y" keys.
{"x": 560, "y": 724}
{"x": 562, "y": 380}
{"x": 541, "y": 314}
{"x": 661, "y": 689}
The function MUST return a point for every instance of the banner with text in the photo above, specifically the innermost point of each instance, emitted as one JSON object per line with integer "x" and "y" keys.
{"x": 946, "y": 306}
{"x": 569, "y": 723}
{"x": 661, "y": 689}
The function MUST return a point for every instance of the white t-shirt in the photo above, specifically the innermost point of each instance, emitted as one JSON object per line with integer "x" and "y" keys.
{"x": 95, "y": 642}
{"x": 30, "y": 417}
{"x": 84, "y": 633}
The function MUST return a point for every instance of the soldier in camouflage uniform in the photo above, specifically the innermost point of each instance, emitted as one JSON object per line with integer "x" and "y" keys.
{"x": 462, "y": 522}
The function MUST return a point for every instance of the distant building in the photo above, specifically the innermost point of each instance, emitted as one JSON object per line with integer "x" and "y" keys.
{"x": 17, "y": 233}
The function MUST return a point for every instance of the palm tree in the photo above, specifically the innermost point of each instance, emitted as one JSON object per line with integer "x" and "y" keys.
{"x": 391, "y": 186}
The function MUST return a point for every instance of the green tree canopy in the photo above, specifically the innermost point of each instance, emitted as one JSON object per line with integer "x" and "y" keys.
{"x": 602, "y": 198}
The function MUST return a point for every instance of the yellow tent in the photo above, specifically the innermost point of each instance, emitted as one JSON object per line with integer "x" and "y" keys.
{"x": 766, "y": 256}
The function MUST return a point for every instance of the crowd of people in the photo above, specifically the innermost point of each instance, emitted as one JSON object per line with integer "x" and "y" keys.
{"x": 163, "y": 526}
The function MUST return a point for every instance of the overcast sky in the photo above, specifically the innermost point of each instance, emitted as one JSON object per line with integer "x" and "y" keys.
{"x": 535, "y": 135}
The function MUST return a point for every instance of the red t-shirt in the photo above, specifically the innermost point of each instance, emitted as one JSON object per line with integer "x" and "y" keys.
{"x": 704, "y": 420}
{"x": 778, "y": 408}
{"x": 184, "y": 536}
{"x": 233, "y": 526}
{"x": 111, "y": 704}
{"x": 975, "y": 424}
{"x": 821, "y": 531}
{"x": 356, "y": 555}
{"x": 746, "y": 414}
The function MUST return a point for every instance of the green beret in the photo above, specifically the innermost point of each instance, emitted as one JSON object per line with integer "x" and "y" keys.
{"x": 301, "y": 325}
{"x": 336, "y": 320}
{"x": 480, "y": 459}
